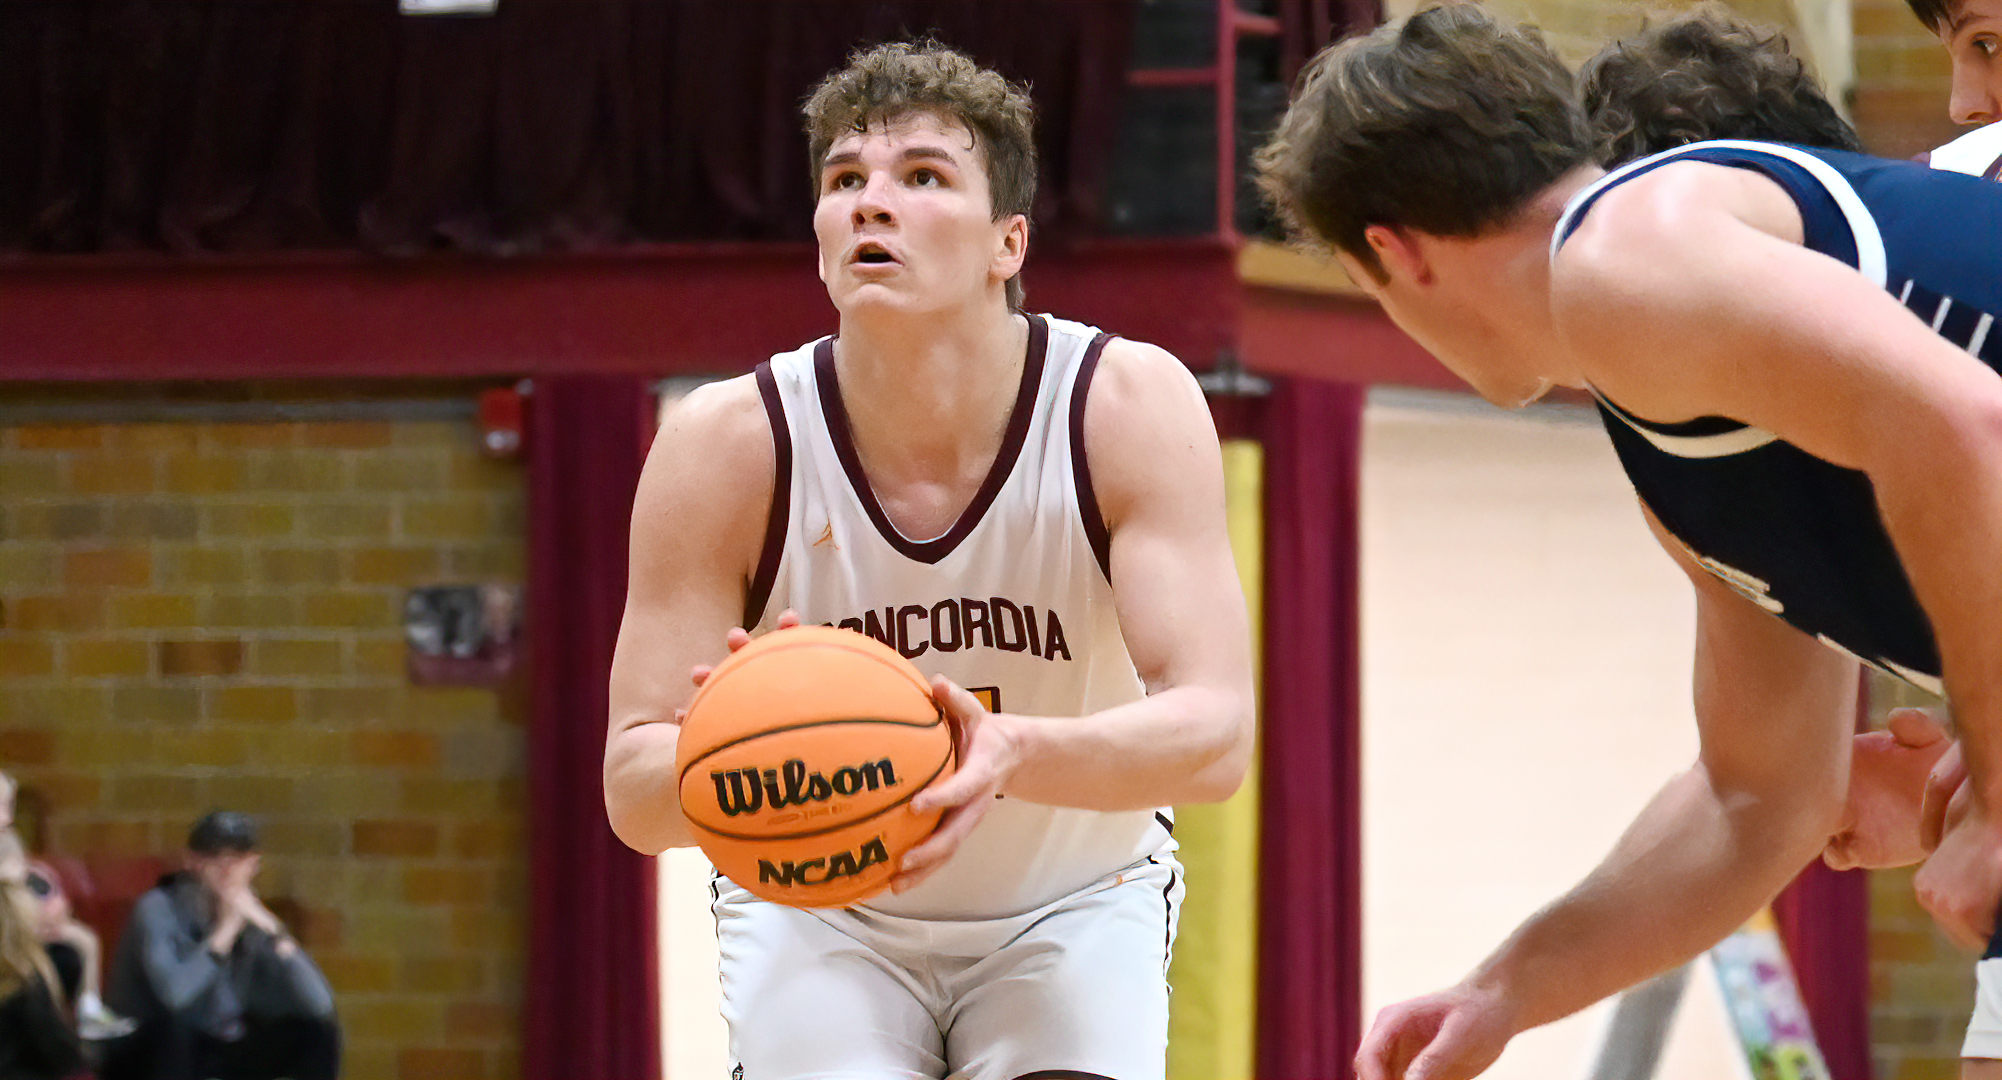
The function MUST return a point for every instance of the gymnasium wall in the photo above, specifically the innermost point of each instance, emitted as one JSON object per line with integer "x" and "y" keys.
{"x": 204, "y": 615}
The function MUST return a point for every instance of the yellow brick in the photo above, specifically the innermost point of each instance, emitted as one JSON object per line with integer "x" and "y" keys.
{"x": 392, "y": 565}
{"x": 488, "y": 1021}
{"x": 496, "y": 838}
{"x": 74, "y": 703}
{"x": 349, "y": 795}
{"x": 396, "y": 749}
{"x": 155, "y": 438}
{"x": 254, "y": 611}
{"x": 399, "y": 470}
{"x": 248, "y": 520}
{"x": 69, "y": 789}
{"x": 207, "y": 565}
{"x": 56, "y": 521}
{"x": 295, "y": 836}
{"x": 154, "y": 611}
{"x": 59, "y": 437}
{"x": 27, "y": 746}
{"x": 215, "y": 657}
{"x": 297, "y": 566}
{"x": 164, "y": 794}
{"x": 301, "y": 747}
{"x": 502, "y": 560}
{"x": 254, "y": 704}
{"x": 311, "y": 658}
{"x": 60, "y": 613}
{"x": 448, "y": 885}
{"x": 351, "y": 704}
{"x": 424, "y": 794}
{"x": 370, "y": 973}
{"x": 458, "y": 517}
{"x": 347, "y": 434}
{"x": 473, "y": 470}
{"x": 298, "y": 471}
{"x": 345, "y": 520}
{"x": 455, "y": 975}
{"x": 38, "y": 476}
{"x": 129, "y": 568}
{"x": 384, "y": 658}
{"x": 157, "y": 704}
{"x": 248, "y": 436}
{"x": 221, "y": 748}
{"x": 402, "y": 838}
{"x": 97, "y": 658}
{"x": 102, "y": 748}
{"x": 19, "y": 659}
{"x": 396, "y": 1018}
{"x": 353, "y": 610}
{"x": 113, "y": 474}
{"x": 194, "y": 474}
{"x": 424, "y": 1063}
{"x": 123, "y": 837}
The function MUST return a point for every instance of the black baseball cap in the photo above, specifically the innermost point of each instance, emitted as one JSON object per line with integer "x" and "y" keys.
{"x": 223, "y": 831}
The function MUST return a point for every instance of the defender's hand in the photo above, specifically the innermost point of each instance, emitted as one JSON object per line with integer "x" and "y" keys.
{"x": 1961, "y": 884}
{"x": 1451, "y": 1035}
{"x": 1888, "y": 780}
{"x": 987, "y": 749}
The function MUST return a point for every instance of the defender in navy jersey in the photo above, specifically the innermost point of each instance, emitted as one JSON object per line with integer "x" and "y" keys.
{"x": 1024, "y": 506}
{"x": 1784, "y": 341}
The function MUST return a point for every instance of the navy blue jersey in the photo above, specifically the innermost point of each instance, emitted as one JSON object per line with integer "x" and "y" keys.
{"x": 1797, "y": 535}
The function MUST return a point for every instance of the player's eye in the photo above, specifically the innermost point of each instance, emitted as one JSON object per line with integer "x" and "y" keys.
{"x": 926, "y": 178}
{"x": 1987, "y": 46}
{"x": 843, "y": 181}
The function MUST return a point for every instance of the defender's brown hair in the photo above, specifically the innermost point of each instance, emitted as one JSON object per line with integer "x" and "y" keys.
{"x": 1449, "y": 123}
{"x": 896, "y": 79}
{"x": 1705, "y": 75}
{"x": 1933, "y": 13}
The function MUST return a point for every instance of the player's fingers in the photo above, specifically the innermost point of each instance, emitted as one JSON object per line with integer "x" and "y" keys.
{"x": 788, "y": 619}
{"x": 737, "y": 638}
{"x": 922, "y": 861}
{"x": 1838, "y": 854}
{"x": 701, "y": 674}
{"x": 1915, "y": 727}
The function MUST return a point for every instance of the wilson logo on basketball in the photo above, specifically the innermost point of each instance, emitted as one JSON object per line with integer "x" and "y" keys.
{"x": 747, "y": 791}
{"x": 821, "y": 871}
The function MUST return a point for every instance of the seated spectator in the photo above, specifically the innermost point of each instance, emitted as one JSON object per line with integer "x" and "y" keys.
{"x": 36, "y": 1040}
{"x": 218, "y": 987}
{"x": 75, "y": 950}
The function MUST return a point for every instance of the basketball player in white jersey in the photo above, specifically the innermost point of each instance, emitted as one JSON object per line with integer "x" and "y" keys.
{"x": 1971, "y": 31}
{"x": 1023, "y": 505}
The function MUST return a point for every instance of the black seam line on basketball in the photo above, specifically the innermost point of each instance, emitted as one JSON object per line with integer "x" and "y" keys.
{"x": 682, "y": 777}
{"x": 790, "y": 646}
{"x": 850, "y": 823}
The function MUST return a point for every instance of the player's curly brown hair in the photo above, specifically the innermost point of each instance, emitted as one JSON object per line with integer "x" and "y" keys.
{"x": 1704, "y": 75}
{"x": 884, "y": 82}
{"x": 1449, "y": 123}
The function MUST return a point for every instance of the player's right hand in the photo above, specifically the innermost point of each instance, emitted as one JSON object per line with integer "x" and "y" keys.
{"x": 737, "y": 638}
{"x": 1889, "y": 783}
{"x": 1454, "y": 1034}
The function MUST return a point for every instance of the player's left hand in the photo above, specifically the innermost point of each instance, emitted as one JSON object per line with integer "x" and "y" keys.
{"x": 1888, "y": 774}
{"x": 1961, "y": 884}
{"x": 988, "y": 752}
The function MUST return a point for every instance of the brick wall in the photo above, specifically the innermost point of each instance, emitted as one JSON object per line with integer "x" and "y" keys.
{"x": 1902, "y": 81}
{"x": 201, "y": 615}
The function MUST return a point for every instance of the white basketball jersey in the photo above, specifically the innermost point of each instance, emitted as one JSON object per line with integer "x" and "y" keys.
{"x": 1012, "y": 602}
{"x": 1977, "y": 153}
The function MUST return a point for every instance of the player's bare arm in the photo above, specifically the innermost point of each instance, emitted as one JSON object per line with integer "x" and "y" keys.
{"x": 1157, "y": 471}
{"x": 1774, "y": 709}
{"x": 1686, "y": 295}
{"x": 698, "y": 527}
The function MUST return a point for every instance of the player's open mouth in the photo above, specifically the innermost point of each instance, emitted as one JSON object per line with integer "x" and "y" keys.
{"x": 870, "y": 253}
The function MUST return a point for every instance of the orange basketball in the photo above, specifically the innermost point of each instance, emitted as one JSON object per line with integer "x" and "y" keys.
{"x": 797, "y": 757}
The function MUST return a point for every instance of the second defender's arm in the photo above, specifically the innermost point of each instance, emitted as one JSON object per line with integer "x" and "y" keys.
{"x": 1775, "y": 709}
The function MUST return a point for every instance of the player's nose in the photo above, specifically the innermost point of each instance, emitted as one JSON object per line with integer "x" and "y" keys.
{"x": 1974, "y": 97}
{"x": 875, "y": 202}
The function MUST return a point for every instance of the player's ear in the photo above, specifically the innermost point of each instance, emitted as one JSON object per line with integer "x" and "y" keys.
{"x": 1400, "y": 252}
{"x": 1012, "y": 246}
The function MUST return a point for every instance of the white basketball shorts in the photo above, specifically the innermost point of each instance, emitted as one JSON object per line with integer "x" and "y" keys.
{"x": 1074, "y": 990}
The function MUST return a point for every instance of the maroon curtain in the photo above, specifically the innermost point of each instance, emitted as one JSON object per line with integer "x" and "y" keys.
{"x": 1824, "y": 919}
{"x": 1310, "y": 898}
{"x": 248, "y": 125}
{"x": 593, "y": 1000}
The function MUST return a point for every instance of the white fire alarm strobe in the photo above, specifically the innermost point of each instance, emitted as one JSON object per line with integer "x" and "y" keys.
{"x": 447, "y": 7}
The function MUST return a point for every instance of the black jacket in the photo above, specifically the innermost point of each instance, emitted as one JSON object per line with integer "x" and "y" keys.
{"x": 36, "y": 1040}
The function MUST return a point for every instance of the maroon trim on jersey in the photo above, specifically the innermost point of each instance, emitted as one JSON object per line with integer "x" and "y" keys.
{"x": 931, "y": 551}
{"x": 760, "y": 592}
{"x": 1087, "y": 498}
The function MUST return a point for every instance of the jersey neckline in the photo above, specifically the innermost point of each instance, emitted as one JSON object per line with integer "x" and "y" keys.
{"x": 827, "y": 384}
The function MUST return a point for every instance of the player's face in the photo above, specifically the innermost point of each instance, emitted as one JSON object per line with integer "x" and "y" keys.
{"x": 1972, "y": 35}
{"x": 1453, "y": 331}
{"x": 904, "y": 217}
